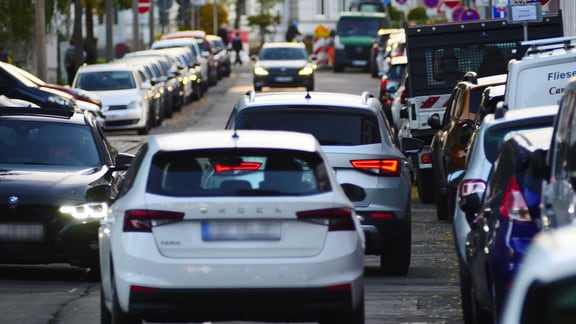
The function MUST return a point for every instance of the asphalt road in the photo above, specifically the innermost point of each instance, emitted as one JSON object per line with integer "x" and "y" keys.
{"x": 429, "y": 294}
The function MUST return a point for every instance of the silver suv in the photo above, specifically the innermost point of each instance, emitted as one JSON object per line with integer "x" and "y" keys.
{"x": 355, "y": 135}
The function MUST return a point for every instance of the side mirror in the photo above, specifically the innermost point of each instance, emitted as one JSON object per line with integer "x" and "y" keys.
{"x": 404, "y": 112}
{"x": 434, "y": 121}
{"x": 455, "y": 177}
{"x": 411, "y": 145}
{"x": 122, "y": 161}
{"x": 253, "y": 57}
{"x": 353, "y": 192}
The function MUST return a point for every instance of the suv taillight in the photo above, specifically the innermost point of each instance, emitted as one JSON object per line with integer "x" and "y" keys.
{"x": 513, "y": 205}
{"x": 142, "y": 220}
{"x": 384, "y": 167}
{"x": 337, "y": 219}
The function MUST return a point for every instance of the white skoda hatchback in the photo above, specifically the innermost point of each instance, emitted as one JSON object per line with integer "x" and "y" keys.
{"x": 232, "y": 225}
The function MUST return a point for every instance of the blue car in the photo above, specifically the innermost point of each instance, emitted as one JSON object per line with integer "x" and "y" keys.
{"x": 509, "y": 218}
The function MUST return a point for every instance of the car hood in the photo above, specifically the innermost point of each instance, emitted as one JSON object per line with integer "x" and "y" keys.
{"x": 44, "y": 186}
{"x": 117, "y": 97}
{"x": 282, "y": 63}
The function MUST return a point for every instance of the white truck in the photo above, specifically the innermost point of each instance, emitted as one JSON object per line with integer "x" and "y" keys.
{"x": 438, "y": 56}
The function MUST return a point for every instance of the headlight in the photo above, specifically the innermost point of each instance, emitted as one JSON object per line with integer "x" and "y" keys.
{"x": 60, "y": 101}
{"x": 93, "y": 210}
{"x": 307, "y": 70}
{"x": 258, "y": 70}
{"x": 133, "y": 105}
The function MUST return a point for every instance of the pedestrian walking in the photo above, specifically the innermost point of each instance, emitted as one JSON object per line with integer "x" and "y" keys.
{"x": 292, "y": 34}
{"x": 70, "y": 61}
{"x": 237, "y": 47}
{"x": 223, "y": 33}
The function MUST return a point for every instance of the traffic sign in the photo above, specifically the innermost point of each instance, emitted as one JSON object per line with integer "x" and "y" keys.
{"x": 457, "y": 12}
{"x": 451, "y": 3}
{"x": 431, "y": 3}
{"x": 143, "y": 6}
{"x": 470, "y": 14}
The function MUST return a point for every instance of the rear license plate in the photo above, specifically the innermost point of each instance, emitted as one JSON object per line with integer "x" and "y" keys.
{"x": 22, "y": 232}
{"x": 240, "y": 231}
{"x": 359, "y": 62}
{"x": 284, "y": 79}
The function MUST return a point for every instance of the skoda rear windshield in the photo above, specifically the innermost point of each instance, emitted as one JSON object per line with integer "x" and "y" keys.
{"x": 344, "y": 128}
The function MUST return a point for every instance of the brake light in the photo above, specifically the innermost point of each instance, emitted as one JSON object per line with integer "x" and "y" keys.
{"x": 468, "y": 187}
{"x": 142, "y": 220}
{"x": 426, "y": 158}
{"x": 384, "y": 167}
{"x": 337, "y": 219}
{"x": 403, "y": 97}
{"x": 384, "y": 83}
{"x": 243, "y": 166}
{"x": 142, "y": 288}
{"x": 513, "y": 205}
{"x": 429, "y": 102}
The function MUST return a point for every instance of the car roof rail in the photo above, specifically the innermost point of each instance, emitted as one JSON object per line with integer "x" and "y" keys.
{"x": 251, "y": 95}
{"x": 366, "y": 95}
{"x": 471, "y": 77}
{"x": 51, "y": 112}
{"x": 549, "y": 44}
{"x": 501, "y": 109}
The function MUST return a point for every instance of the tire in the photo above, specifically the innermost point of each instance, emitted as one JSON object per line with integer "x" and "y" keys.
{"x": 105, "y": 314}
{"x": 257, "y": 89}
{"x": 442, "y": 212}
{"x": 466, "y": 297}
{"x": 425, "y": 184}
{"x": 397, "y": 262}
{"x": 338, "y": 68}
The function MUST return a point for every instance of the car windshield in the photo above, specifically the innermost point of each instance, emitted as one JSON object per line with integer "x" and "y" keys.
{"x": 105, "y": 80}
{"x": 41, "y": 143}
{"x": 283, "y": 53}
{"x": 326, "y": 126}
{"x": 246, "y": 172}
{"x": 359, "y": 26}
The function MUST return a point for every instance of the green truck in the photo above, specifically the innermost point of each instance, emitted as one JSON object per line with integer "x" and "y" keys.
{"x": 355, "y": 33}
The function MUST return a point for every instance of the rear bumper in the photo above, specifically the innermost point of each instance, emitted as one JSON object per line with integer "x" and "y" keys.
{"x": 241, "y": 304}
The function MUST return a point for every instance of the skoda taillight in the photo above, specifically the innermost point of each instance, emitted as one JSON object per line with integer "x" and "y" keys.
{"x": 142, "y": 220}
{"x": 337, "y": 219}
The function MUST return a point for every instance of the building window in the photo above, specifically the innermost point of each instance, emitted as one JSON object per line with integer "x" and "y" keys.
{"x": 320, "y": 7}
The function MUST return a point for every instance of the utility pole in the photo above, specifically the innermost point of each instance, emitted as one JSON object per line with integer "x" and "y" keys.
{"x": 215, "y": 18}
{"x": 40, "y": 40}
{"x": 135, "y": 25}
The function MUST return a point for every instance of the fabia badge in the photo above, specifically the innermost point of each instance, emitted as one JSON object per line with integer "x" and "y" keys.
{"x": 13, "y": 201}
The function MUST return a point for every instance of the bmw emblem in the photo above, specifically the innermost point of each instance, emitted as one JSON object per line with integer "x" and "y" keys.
{"x": 13, "y": 201}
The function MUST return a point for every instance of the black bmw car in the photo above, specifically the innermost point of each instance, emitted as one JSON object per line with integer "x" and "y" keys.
{"x": 57, "y": 174}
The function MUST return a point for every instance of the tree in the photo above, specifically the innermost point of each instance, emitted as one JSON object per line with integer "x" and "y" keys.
{"x": 264, "y": 18}
{"x": 207, "y": 16}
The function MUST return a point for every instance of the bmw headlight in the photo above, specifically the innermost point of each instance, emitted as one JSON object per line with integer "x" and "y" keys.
{"x": 258, "y": 70}
{"x": 307, "y": 70}
{"x": 92, "y": 210}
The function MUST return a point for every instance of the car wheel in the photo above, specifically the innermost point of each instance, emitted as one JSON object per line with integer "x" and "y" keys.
{"x": 105, "y": 314}
{"x": 425, "y": 184}
{"x": 257, "y": 89}
{"x": 396, "y": 262}
{"x": 338, "y": 68}
{"x": 441, "y": 204}
{"x": 466, "y": 297}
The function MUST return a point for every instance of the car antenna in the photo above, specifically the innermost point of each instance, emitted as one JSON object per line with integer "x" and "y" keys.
{"x": 308, "y": 96}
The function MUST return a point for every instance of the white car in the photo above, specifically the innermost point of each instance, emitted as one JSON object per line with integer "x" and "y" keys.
{"x": 232, "y": 225}
{"x": 125, "y": 95}
{"x": 543, "y": 290}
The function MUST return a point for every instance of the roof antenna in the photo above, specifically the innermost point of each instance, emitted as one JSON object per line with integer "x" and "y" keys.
{"x": 308, "y": 96}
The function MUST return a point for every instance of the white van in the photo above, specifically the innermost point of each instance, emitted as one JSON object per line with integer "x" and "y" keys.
{"x": 539, "y": 78}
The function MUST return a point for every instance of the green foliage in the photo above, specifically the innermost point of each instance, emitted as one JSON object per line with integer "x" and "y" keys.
{"x": 418, "y": 14}
{"x": 265, "y": 19}
{"x": 207, "y": 17}
{"x": 396, "y": 16}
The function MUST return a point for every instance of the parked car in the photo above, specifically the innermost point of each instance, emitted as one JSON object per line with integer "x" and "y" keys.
{"x": 221, "y": 55}
{"x": 199, "y": 63}
{"x": 125, "y": 95}
{"x": 283, "y": 64}
{"x": 506, "y": 223}
{"x": 85, "y": 100}
{"x": 58, "y": 173}
{"x": 364, "y": 155}
{"x": 543, "y": 290}
{"x": 390, "y": 82}
{"x": 491, "y": 98}
{"x": 453, "y": 131}
{"x": 471, "y": 182}
{"x": 205, "y": 50}
{"x": 234, "y": 225}
{"x": 380, "y": 50}
{"x": 557, "y": 169}
{"x": 15, "y": 86}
